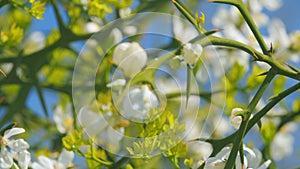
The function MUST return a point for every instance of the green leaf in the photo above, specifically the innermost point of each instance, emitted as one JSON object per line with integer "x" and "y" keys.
{"x": 37, "y": 9}
{"x": 178, "y": 151}
{"x": 98, "y": 8}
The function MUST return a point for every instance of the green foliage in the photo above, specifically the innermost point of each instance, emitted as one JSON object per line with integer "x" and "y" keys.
{"x": 52, "y": 65}
{"x": 178, "y": 151}
{"x": 37, "y": 9}
{"x": 11, "y": 37}
{"x": 74, "y": 140}
{"x": 34, "y": 8}
{"x": 98, "y": 8}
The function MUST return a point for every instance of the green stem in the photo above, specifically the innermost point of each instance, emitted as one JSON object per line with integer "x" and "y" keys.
{"x": 279, "y": 68}
{"x": 249, "y": 20}
{"x": 238, "y": 142}
{"x": 271, "y": 104}
{"x": 246, "y": 14}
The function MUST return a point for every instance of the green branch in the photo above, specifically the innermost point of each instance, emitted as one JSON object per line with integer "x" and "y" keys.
{"x": 238, "y": 142}
{"x": 258, "y": 56}
{"x": 249, "y": 20}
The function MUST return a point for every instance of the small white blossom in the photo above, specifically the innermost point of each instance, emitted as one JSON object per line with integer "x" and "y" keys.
{"x": 191, "y": 53}
{"x": 138, "y": 101}
{"x": 92, "y": 27}
{"x": 63, "y": 118}
{"x": 124, "y": 12}
{"x": 235, "y": 119}
{"x": 130, "y": 58}
{"x": 17, "y": 149}
{"x": 252, "y": 160}
{"x": 64, "y": 161}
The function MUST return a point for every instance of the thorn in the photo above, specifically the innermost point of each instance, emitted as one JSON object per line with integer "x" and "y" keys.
{"x": 271, "y": 98}
{"x": 255, "y": 56}
{"x": 271, "y": 48}
{"x": 263, "y": 74}
{"x": 110, "y": 61}
{"x": 210, "y": 0}
{"x": 219, "y": 29}
{"x": 2, "y": 99}
{"x": 293, "y": 68}
{"x": 16, "y": 123}
{"x": 173, "y": 1}
{"x": 3, "y": 73}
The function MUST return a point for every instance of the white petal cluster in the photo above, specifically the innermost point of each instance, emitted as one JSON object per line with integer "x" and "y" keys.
{"x": 138, "y": 102}
{"x": 64, "y": 161}
{"x": 252, "y": 159}
{"x": 63, "y": 118}
{"x": 130, "y": 58}
{"x": 100, "y": 127}
{"x": 235, "y": 119}
{"x": 14, "y": 149}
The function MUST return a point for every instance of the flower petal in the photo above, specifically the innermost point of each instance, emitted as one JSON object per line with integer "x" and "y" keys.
{"x": 24, "y": 159}
{"x": 66, "y": 157}
{"x": 18, "y": 145}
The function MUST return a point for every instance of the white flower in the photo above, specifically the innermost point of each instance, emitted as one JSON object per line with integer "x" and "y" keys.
{"x": 200, "y": 151}
{"x": 18, "y": 145}
{"x": 235, "y": 119}
{"x": 92, "y": 27}
{"x": 9, "y": 133}
{"x": 191, "y": 53}
{"x": 219, "y": 161}
{"x": 63, "y": 118}
{"x": 6, "y": 159}
{"x": 138, "y": 101}
{"x": 64, "y": 161}
{"x": 251, "y": 160}
{"x": 124, "y": 12}
{"x": 17, "y": 149}
{"x": 130, "y": 58}
{"x": 255, "y": 160}
{"x": 97, "y": 125}
{"x": 92, "y": 122}
{"x": 24, "y": 159}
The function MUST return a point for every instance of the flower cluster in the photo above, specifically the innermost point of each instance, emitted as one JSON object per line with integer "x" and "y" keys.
{"x": 12, "y": 150}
